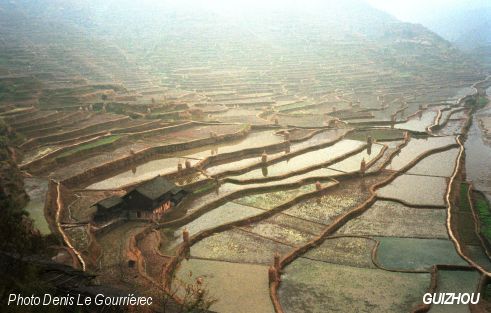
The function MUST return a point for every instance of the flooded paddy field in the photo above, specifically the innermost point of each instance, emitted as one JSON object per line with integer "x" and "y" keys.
{"x": 207, "y": 161}
{"x": 440, "y": 164}
{"x": 246, "y": 209}
{"x": 324, "y": 209}
{"x": 478, "y": 152}
{"x": 416, "y": 254}
{"x": 455, "y": 281}
{"x": 305, "y": 160}
{"x": 352, "y": 163}
{"x": 419, "y": 123}
{"x": 224, "y": 214}
{"x": 452, "y": 128}
{"x": 416, "y": 147}
{"x": 416, "y": 190}
{"x": 380, "y": 134}
{"x": 352, "y": 288}
{"x": 475, "y": 253}
{"x": 270, "y": 200}
{"x": 392, "y": 219}
{"x": 239, "y": 246}
{"x": 228, "y": 281}
{"x": 36, "y": 189}
{"x": 143, "y": 172}
{"x": 350, "y": 251}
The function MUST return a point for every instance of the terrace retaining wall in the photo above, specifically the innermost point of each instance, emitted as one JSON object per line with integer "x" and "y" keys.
{"x": 145, "y": 154}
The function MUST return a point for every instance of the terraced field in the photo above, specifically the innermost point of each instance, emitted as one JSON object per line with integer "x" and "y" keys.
{"x": 317, "y": 182}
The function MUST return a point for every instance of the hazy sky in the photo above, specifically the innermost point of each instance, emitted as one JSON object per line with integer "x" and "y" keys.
{"x": 420, "y": 10}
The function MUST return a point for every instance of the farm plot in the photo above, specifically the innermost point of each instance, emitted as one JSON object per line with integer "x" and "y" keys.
{"x": 416, "y": 147}
{"x": 351, "y": 251}
{"x": 416, "y": 190}
{"x": 229, "y": 283}
{"x": 303, "y": 161}
{"x": 324, "y": 209}
{"x": 416, "y": 254}
{"x": 238, "y": 246}
{"x": 226, "y": 213}
{"x": 419, "y": 123}
{"x": 352, "y": 164}
{"x": 392, "y": 219}
{"x": 315, "y": 286}
{"x": 440, "y": 164}
{"x": 455, "y": 281}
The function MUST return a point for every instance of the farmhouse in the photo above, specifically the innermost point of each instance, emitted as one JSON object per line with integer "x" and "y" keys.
{"x": 150, "y": 200}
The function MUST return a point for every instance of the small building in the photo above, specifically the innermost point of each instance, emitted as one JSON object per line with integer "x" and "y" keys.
{"x": 150, "y": 200}
{"x": 153, "y": 198}
{"x": 108, "y": 208}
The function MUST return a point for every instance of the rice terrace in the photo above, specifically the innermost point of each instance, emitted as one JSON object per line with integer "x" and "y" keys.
{"x": 332, "y": 160}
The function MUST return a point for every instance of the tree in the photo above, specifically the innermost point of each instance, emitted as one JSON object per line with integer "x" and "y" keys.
{"x": 195, "y": 297}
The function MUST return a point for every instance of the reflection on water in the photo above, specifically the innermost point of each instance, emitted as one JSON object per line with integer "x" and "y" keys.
{"x": 416, "y": 147}
{"x": 226, "y": 213}
{"x": 439, "y": 164}
{"x": 304, "y": 160}
{"x": 142, "y": 172}
{"x": 352, "y": 163}
{"x": 230, "y": 282}
{"x": 455, "y": 281}
{"x": 419, "y": 122}
{"x": 478, "y": 157}
{"x": 253, "y": 140}
{"x": 169, "y": 164}
{"x": 416, "y": 190}
{"x": 466, "y": 91}
{"x": 36, "y": 189}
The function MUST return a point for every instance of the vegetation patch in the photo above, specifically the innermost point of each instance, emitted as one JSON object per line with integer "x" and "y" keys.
{"x": 91, "y": 145}
{"x": 483, "y": 210}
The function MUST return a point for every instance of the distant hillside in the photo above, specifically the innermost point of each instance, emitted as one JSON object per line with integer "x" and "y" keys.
{"x": 143, "y": 45}
{"x": 467, "y": 28}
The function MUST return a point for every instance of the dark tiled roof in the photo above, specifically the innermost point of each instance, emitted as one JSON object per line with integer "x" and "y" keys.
{"x": 157, "y": 187}
{"x": 110, "y": 202}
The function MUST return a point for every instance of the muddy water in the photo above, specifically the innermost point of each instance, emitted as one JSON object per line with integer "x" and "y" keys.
{"x": 463, "y": 92}
{"x": 169, "y": 164}
{"x": 455, "y": 281}
{"x": 353, "y": 163}
{"x": 329, "y": 287}
{"x": 142, "y": 172}
{"x": 392, "y": 219}
{"x": 239, "y": 288}
{"x": 322, "y": 174}
{"x": 36, "y": 189}
{"x": 416, "y": 147}
{"x": 439, "y": 164}
{"x": 478, "y": 157}
{"x": 224, "y": 214}
{"x": 235, "y": 165}
{"x": 415, "y": 253}
{"x": 416, "y": 190}
{"x": 303, "y": 161}
{"x": 253, "y": 140}
{"x": 419, "y": 123}
{"x": 321, "y": 138}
